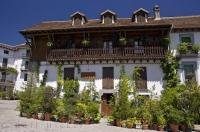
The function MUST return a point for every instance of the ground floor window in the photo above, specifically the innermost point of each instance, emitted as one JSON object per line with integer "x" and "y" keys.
{"x": 25, "y": 76}
{"x": 69, "y": 73}
{"x": 141, "y": 80}
{"x": 189, "y": 71}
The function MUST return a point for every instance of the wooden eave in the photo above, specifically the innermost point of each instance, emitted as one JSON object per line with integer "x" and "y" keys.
{"x": 98, "y": 29}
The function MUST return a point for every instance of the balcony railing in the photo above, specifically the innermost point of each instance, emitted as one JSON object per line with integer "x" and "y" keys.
{"x": 106, "y": 54}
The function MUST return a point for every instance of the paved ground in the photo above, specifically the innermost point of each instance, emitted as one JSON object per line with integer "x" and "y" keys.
{"x": 11, "y": 122}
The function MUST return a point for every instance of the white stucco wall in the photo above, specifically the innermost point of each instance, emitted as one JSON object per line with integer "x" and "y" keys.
{"x": 154, "y": 74}
{"x": 175, "y": 41}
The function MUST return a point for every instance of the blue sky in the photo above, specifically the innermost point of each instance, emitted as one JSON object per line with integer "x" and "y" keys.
{"x": 16, "y": 15}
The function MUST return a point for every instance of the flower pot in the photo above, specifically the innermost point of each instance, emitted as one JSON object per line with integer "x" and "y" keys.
{"x": 118, "y": 123}
{"x": 63, "y": 119}
{"x": 35, "y": 116}
{"x": 160, "y": 128}
{"x": 47, "y": 116}
{"x": 87, "y": 121}
{"x": 154, "y": 127}
{"x": 145, "y": 126}
{"x": 129, "y": 125}
{"x": 138, "y": 126}
{"x": 174, "y": 127}
{"x": 40, "y": 116}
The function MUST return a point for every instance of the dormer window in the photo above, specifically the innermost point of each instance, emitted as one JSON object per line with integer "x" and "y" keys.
{"x": 140, "y": 15}
{"x": 78, "y": 19}
{"x": 108, "y": 17}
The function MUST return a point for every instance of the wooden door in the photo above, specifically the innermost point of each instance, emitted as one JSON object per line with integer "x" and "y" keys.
{"x": 108, "y": 75}
{"x": 68, "y": 73}
{"x": 106, "y": 108}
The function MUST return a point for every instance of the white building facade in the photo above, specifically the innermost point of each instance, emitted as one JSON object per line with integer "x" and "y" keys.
{"x": 16, "y": 58}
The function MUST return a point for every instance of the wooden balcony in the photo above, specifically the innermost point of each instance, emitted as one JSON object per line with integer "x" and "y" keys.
{"x": 106, "y": 54}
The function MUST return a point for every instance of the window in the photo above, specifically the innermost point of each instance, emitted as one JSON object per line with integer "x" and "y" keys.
{"x": 69, "y": 73}
{"x": 3, "y": 76}
{"x": 189, "y": 71}
{"x": 26, "y": 64}
{"x": 25, "y": 76}
{"x": 141, "y": 78}
{"x": 186, "y": 38}
{"x": 5, "y": 62}
{"x": 6, "y": 52}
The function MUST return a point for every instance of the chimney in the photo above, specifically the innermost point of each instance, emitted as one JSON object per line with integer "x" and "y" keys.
{"x": 156, "y": 10}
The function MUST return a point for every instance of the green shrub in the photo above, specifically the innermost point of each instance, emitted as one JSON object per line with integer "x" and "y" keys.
{"x": 165, "y": 41}
{"x": 195, "y": 48}
{"x": 183, "y": 48}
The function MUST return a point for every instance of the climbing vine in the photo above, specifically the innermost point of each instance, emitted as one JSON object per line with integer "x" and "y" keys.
{"x": 170, "y": 67}
{"x": 59, "y": 79}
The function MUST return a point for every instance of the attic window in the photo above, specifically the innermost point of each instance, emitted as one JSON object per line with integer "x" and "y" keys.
{"x": 108, "y": 17}
{"x": 78, "y": 18}
{"x": 140, "y": 15}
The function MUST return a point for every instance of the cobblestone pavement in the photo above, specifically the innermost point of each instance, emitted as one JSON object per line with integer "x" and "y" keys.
{"x": 11, "y": 122}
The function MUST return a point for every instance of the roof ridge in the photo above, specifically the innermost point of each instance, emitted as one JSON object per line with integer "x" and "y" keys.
{"x": 174, "y": 17}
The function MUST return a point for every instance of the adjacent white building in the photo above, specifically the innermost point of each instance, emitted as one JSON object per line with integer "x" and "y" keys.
{"x": 17, "y": 59}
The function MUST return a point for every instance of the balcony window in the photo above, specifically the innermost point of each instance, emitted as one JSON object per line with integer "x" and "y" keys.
{"x": 6, "y": 52}
{"x": 186, "y": 38}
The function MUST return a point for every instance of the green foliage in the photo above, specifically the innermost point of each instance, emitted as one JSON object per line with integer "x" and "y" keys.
{"x": 122, "y": 41}
{"x": 71, "y": 96}
{"x": 48, "y": 96}
{"x": 59, "y": 108}
{"x": 195, "y": 48}
{"x": 165, "y": 41}
{"x": 43, "y": 82}
{"x": 122, "y": 104}
{"x": 49, "y": 43}
{"x": 170, "y": 67}
{"x": 9, "y": 70}
{"x": 85, "y": 43}
{"x": 59, "y": 80}
{"x": 183, "y": 48}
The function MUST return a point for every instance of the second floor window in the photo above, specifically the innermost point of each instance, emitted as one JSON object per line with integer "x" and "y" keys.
{"x": 6, "y": 52}
{"x": 5, "y": 62}
{"x": 186, "y": 38}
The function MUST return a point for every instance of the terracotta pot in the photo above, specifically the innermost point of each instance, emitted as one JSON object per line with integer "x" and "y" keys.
{"x": 35, "y": 116}
{"x": 160, "y": 128}
{"x": 118, "y": 123}
{"x": 40, "y": 116}
{"x": 129, "y": 125}
{"x": 145, "y": 126}
{"x": 87, "y": 121}
{"x": 47, "y": 116}
{"x": 154, "y": 126}
{"x": 63, "y": 119}
{"x": 174, "y": 127}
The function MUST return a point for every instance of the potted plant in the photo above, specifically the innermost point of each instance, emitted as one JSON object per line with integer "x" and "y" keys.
{"x": 195, "y": 48}
{"x": 85, "y": 43}
{"x": 122, "y": 41}
{"x": 138, "y": 124}
{"x": 49, "y": 44}
{"x": 183, "y": 48}
{"x": 161, "y": 122}
{"x": 174, "y": 117}
{"x": 130, "y": 122}
{"x": 123, "y": 123}
{"x": 165, "y": 41}
{"x": 110, "y": 120}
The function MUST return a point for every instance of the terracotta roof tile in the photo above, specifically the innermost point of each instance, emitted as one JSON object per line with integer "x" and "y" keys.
{"x": 177, "y": 22}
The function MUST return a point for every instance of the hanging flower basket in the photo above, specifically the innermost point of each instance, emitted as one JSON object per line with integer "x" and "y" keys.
{"x": 85, "y": 43}
{"x": 122, "y": 41}
{"x": 49, "y": 44}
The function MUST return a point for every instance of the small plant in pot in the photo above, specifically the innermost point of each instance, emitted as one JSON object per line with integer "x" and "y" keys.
{"x": 130, "y": 122}
{"x": 85, "y": 43}
{"x": 183, "y": 48}
{"x": 165, "y": 41}
{"x": 195, "y": 48}
{"x": 161, "y": 122}
{"x": 174, "y": 117}
{"x": 122, "y": 41}
{"x": 138, "y": 124}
